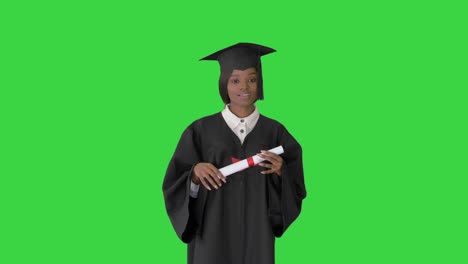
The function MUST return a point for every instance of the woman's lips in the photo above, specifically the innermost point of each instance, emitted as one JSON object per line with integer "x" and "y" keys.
{"x": 244, "y": 95}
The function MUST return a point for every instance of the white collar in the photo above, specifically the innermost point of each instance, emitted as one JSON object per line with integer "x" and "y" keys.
{"x": 233, "y": 121}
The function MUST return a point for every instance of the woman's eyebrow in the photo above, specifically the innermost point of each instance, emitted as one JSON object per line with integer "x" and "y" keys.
{"x": 237, "y": 75}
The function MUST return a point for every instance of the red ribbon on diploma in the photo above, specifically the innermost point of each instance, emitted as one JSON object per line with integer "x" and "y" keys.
{"x": 250, "y": 161}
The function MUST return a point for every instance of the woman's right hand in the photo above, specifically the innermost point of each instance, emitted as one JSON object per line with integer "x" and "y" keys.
{"x": 207, "y": 174}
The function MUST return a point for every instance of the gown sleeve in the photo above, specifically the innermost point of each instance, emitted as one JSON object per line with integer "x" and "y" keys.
{"x": 286, "y": 192}
{"x": 180, "y": 206}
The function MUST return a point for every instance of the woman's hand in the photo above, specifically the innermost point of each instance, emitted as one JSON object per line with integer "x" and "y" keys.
{"x": 207, "y": 174}
{"x": 276, "y": 162}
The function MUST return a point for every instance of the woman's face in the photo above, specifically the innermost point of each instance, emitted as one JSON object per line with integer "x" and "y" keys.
{"x": 242, "y": 87}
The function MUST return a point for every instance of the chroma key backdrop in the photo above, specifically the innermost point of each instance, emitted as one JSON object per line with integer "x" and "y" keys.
{"x": 94, "y": 96}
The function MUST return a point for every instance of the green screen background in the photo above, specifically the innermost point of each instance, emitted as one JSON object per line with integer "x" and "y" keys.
{"x": 95, "y": 95}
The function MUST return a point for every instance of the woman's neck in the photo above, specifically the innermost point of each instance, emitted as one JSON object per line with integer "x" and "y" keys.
{"x": 242, "y": 111}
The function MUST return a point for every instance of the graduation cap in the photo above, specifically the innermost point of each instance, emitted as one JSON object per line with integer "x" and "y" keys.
{"x": 239, "y": 57}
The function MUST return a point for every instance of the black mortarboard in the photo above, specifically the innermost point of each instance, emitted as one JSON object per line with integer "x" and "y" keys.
{"x": 240, "y": 57}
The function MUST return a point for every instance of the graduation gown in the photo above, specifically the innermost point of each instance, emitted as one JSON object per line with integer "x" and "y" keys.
{"x": 238, "y": 222}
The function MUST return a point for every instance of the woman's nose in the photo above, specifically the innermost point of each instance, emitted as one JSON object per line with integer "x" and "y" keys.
{"x": 245, "y": 85}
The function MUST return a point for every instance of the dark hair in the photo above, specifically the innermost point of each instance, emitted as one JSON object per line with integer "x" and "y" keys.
{"x": 224, "y": 78}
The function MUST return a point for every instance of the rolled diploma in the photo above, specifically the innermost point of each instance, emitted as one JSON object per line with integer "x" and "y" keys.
{"x": 248, "y": 162}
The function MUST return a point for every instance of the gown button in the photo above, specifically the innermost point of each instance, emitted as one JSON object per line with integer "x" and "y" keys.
{"x": 242, "y": 130}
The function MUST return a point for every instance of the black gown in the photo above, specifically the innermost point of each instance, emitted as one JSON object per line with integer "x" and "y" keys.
{"x": 238, "y": 222}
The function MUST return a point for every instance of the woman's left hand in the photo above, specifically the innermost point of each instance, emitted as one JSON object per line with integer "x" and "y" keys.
{"x": 275, "y": 160}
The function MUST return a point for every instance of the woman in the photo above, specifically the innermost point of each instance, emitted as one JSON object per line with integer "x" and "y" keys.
{"x": 234, "y": 219}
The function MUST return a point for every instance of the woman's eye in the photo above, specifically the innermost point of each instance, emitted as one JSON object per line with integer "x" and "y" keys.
{"x": 235, "y": 81}
{"x": 253, "y": 80}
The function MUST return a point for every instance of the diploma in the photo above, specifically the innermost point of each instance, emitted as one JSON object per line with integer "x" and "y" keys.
{"x": 248, "y": 162}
